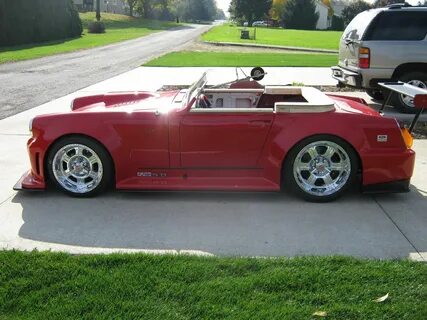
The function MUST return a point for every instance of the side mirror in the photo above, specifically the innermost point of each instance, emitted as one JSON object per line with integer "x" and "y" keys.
{"x": 258, "y": 73}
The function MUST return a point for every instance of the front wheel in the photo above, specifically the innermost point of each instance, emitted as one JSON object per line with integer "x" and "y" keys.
{"x": 79, "y": 167}
{"x": 320, "y": 168}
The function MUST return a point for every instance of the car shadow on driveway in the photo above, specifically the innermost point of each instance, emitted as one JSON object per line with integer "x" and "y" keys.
{"x": 242, "y": 224}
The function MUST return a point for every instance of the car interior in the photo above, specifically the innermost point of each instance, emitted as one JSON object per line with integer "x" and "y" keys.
{"x": 270, "y": 98}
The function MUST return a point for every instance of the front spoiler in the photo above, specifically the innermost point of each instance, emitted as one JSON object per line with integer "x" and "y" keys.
{"x": 401, "y": 186}
{"x": 29, "y": 183}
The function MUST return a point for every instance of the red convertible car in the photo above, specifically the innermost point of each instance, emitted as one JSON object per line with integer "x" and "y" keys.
{"x": 241, "y": 137}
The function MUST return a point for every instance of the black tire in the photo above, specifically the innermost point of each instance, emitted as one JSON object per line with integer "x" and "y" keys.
{"x": 375, "y": 94}
{"x": 397, "y": 99}
{"x": 289, "y": 177}
{"x": 103, "y": 166}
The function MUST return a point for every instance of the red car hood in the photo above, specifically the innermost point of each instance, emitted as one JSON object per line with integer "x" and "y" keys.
{"x": 125, "y": 101}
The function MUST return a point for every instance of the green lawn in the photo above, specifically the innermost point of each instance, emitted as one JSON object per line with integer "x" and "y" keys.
{"x": 277, "y": 36}
{"x": 59, "y": 286}
{"x": 231, "y": 59}
{"x": 119, "y": 28}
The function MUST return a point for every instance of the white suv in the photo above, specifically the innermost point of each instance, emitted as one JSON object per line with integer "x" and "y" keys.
{"x": 385, "y": 44}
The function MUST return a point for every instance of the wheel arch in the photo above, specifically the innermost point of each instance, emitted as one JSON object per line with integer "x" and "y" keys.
{"x": 409, "y": 67}
{"x": 76, "y": 135}
{"x": 349, "y": 144}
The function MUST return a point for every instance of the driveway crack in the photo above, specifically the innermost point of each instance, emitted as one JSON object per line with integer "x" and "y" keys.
{"x": 398, "y": 228}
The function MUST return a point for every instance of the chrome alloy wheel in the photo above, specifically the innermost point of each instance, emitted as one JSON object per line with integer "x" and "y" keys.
{"x": 77, "y": 168}
{"x": 407, "y": 100}
{"x": 322, "y": 168}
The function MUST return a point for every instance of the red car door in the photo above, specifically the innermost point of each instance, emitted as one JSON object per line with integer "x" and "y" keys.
{"x": 223, "y": 139}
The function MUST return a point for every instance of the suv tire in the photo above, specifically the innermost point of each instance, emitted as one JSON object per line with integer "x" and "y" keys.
{"x": 375, "y": 94}
{"x": 400, "y": 101}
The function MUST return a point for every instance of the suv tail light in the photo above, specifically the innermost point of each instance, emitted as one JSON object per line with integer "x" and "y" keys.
{"x": 364, "y": 58}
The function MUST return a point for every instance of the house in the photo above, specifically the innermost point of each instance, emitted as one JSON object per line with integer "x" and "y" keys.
{"x": 323, "y": 22}
{"x": 112, "y": 6}
{"x": 338, "y": 7}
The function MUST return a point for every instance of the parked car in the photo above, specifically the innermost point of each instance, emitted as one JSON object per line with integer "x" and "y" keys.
{"x": 260, "y": 24}
{"x": 240, "y": 136}
{"x": 385, "y": 44}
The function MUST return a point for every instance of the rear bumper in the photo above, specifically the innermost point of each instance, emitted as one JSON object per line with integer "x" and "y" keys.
{"x": 388, "y": 172}
{"x": 29, "y": 182}
{"x": 349, "y": 78}
{"x": 362, "y": 78}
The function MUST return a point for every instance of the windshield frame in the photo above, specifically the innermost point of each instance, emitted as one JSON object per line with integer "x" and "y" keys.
{"x": 195, "y": 90}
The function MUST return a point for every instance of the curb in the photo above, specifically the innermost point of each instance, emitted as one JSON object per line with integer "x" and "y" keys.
{"x": 266, "y": 46}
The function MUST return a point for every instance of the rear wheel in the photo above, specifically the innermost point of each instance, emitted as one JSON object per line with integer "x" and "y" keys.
{"x": 405, "y": 104}
{"x": 320, "y": 168}
{"x": 79, "y": 167}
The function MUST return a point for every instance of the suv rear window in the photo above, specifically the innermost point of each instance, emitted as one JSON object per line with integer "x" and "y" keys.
{"x": 399, "y": 26}
{"x": 358, "y": 25}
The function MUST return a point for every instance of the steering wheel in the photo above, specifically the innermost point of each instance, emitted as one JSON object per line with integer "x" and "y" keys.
{"x": 204, "y": 102}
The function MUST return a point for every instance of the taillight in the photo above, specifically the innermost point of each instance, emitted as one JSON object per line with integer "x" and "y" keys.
{"x": 407, "y": 137}
{"x": 364, "y": 58}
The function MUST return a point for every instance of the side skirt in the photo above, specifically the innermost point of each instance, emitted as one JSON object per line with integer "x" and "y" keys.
{"x": 200, "y": 179}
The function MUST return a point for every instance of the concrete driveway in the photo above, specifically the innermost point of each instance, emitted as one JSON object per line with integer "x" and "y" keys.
{"x": 243, "y": 224}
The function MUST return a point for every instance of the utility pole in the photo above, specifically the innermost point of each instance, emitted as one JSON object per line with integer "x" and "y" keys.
{"x": 98, "y": 10}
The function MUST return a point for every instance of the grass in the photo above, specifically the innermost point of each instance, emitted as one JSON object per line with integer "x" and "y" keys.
{"x": 58, "y": 286}
{"x": 275, "y": 36}
{"x": 231, "y": 59}
{"x": 119, "y": 28}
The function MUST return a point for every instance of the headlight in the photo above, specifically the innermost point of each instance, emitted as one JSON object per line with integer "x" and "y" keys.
{"x": 31, "y": 125}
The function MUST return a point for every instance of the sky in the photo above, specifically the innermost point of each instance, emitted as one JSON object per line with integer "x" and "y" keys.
{"x": 223, "y": 4}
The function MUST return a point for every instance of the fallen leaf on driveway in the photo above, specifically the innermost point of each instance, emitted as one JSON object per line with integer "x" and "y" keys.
{"x": 320, "y": 314}
{"x": 381, "y": 299}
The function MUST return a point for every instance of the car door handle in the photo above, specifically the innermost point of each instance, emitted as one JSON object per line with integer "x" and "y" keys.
{"x": 259, "y": 123}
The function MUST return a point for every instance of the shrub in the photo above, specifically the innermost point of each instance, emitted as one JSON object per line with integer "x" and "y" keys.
{"x": 32, "y": 21}
{"x": 96, "y": 27}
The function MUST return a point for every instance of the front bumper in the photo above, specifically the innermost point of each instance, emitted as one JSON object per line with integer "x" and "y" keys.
{"x": 347, "y": 77}
{"x": 29, "y": 182}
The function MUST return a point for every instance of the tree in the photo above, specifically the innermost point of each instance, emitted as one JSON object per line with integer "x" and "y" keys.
{"x": 385, "y": 3}
{"x": 197, "y": 10}
{"x": 131, "y": 4}
{"x": 220, "y": 15}
{"x": 328, "y": 3}
{"x": 300, "y": 14}
{"x": 354, "y": 9}
{"x": 249, "y": 10}
{"x": 277, "y": 9}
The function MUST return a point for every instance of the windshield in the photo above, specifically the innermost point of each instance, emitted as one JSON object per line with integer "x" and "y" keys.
{"x": 359, "y": 24}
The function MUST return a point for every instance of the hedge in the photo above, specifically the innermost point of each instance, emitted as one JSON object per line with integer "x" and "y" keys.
{"x": 32, "y": 21}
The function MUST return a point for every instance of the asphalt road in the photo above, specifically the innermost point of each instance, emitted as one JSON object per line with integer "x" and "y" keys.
{"x": 31, "y": 83}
